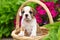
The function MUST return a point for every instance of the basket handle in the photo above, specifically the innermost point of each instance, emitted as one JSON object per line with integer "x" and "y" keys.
{"x": 38, "y": 2}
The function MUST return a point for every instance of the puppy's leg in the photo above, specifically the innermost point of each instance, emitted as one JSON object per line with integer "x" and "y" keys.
{"x": 22, "y": 31}
{"x": 34, "y": 30}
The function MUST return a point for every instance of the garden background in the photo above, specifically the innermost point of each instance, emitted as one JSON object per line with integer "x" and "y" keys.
{"x": 9, "y": 8}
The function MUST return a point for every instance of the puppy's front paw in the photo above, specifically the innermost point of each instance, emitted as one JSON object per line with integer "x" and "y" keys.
{"x": 21, "y": 33}
{"x": 32, "y": 35}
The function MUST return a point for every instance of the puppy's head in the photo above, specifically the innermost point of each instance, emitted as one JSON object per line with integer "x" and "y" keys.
{"x": 27, "y": 13}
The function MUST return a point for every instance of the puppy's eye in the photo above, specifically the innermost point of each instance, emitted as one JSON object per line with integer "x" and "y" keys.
{"x": 23, "y": 12}
{"x": 30, "y": 12}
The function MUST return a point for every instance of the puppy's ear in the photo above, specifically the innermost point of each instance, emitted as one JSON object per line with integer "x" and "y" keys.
{"x": 34, "y": 11}
{"x": 20, "y": 12}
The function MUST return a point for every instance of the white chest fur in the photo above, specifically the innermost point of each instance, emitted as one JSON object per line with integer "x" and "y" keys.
{"x": 29, "y": 26}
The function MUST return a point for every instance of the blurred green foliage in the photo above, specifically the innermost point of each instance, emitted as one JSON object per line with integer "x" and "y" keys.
{"x": 8, "y": 10}
{"x": 52, "y": 0}
{"x": 54, "y": 31}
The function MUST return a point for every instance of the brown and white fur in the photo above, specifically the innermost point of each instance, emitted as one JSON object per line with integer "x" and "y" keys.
{"x": 28, "y": 21}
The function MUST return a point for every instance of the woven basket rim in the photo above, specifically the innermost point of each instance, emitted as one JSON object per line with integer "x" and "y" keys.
{"x": 15, "y": 36}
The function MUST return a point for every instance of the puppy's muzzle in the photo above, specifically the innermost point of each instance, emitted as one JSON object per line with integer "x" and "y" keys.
{"x": 26, "y": 15}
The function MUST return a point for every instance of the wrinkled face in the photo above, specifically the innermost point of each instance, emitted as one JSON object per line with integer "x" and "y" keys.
{"x": 27, "y": 13}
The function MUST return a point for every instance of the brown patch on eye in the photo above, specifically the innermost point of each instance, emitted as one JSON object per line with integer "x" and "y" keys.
{"x": 22, "y": 11}
{"x": 33, "y": 12}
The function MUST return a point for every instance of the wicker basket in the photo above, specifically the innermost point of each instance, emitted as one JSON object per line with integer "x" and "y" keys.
{"x": 41, "y": 32}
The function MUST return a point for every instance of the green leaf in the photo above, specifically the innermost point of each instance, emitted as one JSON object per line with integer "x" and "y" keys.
{"x": 54, "y": 31}
{"x": 1, "y": 30}
{"x": 59, "y": 9}
{"x": 58, "y": 34}
{"x": 55, "y": 1}
{"x": 32, "y": 4}
{"x": 0, "y": 35}
{"x": 5, "y": 30}
{"x": 7, "y": 34}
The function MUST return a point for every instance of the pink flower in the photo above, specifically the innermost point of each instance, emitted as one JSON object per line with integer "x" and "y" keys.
{"x": 38, "y": 7}
{"x": 42, "y": 12}
{"x": 54, "y": 13}
{"x": 38, "y": 18}
{"x": 50, "y": 4}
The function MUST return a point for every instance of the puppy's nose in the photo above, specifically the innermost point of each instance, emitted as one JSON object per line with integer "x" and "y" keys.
{"x": 26, "y": 15}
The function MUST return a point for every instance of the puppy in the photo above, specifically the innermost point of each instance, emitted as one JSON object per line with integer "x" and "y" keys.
{"x": 28, "y": 21}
